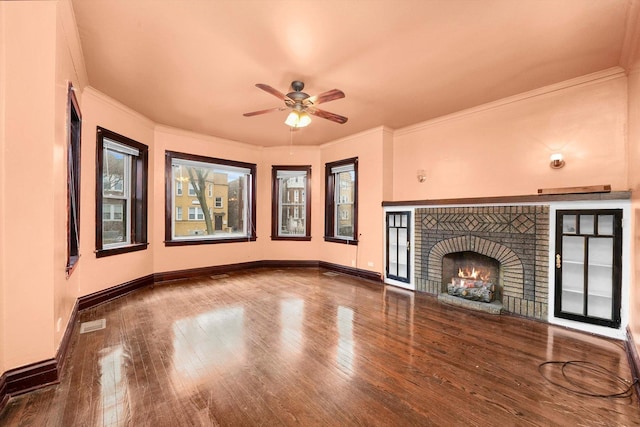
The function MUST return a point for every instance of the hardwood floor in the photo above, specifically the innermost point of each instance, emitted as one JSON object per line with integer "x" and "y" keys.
{"x": 298, "y": 346}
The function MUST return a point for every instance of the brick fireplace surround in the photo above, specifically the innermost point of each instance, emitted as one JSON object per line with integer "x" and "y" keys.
{"x": 516, "y": 236}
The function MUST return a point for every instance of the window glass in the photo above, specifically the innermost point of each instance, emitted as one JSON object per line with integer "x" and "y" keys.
{"x": 73, "y": 181}
{"x": 341, "y": 201}
{"x": 219, "y": 202}
{"x": 345, "y": 192}
{"x": 290, "y": 203}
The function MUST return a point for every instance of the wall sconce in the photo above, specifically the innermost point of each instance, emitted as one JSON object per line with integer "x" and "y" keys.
{"x": 421, "y": 175}
{"x": 556, "y": 161}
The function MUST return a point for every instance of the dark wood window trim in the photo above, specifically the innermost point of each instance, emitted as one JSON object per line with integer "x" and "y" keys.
{"x": 139, "y": 184}
{"x": 275, "y": 203}
{"x": 170, "y": 191}
{"x": 74, "y": 129}
{"x": 329, "y": 210}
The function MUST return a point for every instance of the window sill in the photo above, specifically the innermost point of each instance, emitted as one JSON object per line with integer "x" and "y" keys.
{"x": 208, "y": 241}
{"x": 73, "y": 262}
{"x": 343, "y": 241}
{"x": 101, "y": 253}
{"x": 292, "y": 238}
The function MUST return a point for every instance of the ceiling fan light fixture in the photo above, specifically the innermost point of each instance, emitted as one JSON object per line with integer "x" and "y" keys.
{"x": 304, "y": 119}
{"x": 297, "y": 119}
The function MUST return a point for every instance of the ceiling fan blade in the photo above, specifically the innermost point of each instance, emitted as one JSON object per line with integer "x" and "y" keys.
{"x": 269, "y": 110}
{"x": 274, "y": 92}
{"x": 327, "y": 96}
{"x": 327, "y": 115}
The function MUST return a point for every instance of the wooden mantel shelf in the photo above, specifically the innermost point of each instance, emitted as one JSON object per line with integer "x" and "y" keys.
{"x": 533, "y": 198}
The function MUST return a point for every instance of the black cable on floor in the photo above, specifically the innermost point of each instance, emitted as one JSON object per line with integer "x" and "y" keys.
{"x": 627, "y": 392}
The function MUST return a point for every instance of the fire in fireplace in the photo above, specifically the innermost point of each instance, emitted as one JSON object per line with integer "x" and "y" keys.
{"x": 472, "y": 276}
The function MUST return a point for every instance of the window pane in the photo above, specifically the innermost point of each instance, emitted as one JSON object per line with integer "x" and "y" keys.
{"x": 73, "y": 180}
{"x": 569, "y": 224}
{"x": 114, "y": 224}
{"x": 113, "y": 173}
{"x": 216, "y": 202}
{"x": 292, "y": 207}
{"x": 586, "y": 224}
{"x": 605, "y": 225}
{"x": 345, "y": 195}
{"x": 573, "y": 274}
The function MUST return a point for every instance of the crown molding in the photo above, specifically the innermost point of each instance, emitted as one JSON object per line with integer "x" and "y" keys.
{"x": 105, "y": 99}
{"x": 379, "y": 129}
{"x": 593, "y": 78}
{"x": 203, "y": 137}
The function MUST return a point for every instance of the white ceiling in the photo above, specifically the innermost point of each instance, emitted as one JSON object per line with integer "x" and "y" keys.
{"x": 193, "y": 64}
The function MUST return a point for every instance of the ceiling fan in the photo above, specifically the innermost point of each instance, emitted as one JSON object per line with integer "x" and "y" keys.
{"x": 301, "y": 105}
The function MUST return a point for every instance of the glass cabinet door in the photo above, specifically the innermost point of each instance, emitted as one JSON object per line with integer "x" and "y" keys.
{"x": 398, "y": 247}
{"x": 587, "y": 263}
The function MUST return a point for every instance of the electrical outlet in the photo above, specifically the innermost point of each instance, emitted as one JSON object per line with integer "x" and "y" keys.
{"x": 353, "y": 263}
{"x": 370, "y": 263}
{"x": 58, "y": 324}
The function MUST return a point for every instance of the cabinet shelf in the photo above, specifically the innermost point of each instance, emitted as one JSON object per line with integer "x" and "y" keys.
{"x": 591, "y": 294}
{"x": 590, "y": 264}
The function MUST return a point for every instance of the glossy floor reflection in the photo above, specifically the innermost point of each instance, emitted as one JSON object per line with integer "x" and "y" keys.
{"x": 297, "y": 347}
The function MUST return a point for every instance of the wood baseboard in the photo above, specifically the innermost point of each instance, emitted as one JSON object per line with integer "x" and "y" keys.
{"x": 4, "y": 396}
{"x": 203, "y": 271}
{"x": 31, "y": 377}
{"x": 351, "y": 271}
{"x": 41, "y": 374}
{"x": 114, "y": 292}
{"x": 634, "y": 359}
{"x": 63, "y": 350}
{"x": 229, "y": 268}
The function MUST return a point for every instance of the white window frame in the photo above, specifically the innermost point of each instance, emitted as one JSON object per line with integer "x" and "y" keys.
{"x": 198, "y": 213}
{"x": 122, "y": 191}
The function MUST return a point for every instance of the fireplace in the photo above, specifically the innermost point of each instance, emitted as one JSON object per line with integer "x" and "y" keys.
{"x": 472, "y": 276}
{"x": 512, "y": 242}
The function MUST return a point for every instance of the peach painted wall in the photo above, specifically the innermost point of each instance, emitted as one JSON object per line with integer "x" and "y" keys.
{"x": 29, "y": 66}
{"x": 369, "y": 148}
{"x": 69, "y": 68}
{"x": 3, "y": 88}
{"x": 95, "y": 274}
{"x": 503, "y": 148}
{"x": 387, "y": 165}
{"x": 634, "y": 180}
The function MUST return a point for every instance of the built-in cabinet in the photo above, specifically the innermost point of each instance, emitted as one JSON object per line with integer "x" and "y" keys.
{"x": 588, "y": 263}
{"x": 398, "y": 245}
